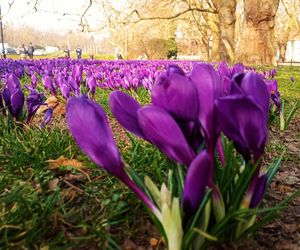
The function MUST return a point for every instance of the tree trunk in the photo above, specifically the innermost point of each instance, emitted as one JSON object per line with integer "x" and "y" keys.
{"x": 226, "y": 15}
{"x": 282, "y": 50}
{"x": 257, "y": 45}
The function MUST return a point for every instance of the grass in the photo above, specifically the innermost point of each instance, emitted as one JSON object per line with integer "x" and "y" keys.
{"x": 71, "y": 208}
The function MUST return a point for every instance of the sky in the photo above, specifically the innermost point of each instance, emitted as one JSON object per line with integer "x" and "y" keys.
{"x": 59, "y": 15}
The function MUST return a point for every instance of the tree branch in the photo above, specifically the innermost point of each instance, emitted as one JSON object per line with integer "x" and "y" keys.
{"x": 172, "y": 16}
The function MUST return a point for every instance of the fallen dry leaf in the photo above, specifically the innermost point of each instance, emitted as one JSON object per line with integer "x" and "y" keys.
{"x": 52, "y": 184}
{"x": 153, "y": 242}
{"x": 62, "y": 161}
{"x": 129, "y": 245}
{"x": 293, "y": 148}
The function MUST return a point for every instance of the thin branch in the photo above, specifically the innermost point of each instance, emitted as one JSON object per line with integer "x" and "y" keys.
{"x": 9, "y": 7}
{"x": 172, "y": 16}
{"x": 83, "y": 16}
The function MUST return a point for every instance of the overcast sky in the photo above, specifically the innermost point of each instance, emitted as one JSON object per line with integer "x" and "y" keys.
{"x": 50, "y": 13}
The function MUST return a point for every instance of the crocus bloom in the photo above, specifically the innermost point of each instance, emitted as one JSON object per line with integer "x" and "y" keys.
{"x": 91, "y": 84}
{"x": 259, "y": 190}
{"x": 195, "y": 182}
{"x": 160, "y": 128}
{"x": 48, "y": 83}
{"x": 172, "y": 68}
{"x": 13, "y": 96}
{"x": 84, "y": 115}
{"x": 124, "y": 108}
{"x": 176, "y": 94}
{"x": 48, "y": 115}
{"x": 253, "y": 85}
{"x": 89, "y": 126}
{"x": 209, "y": 87}
{"x": 77, "y": 73}
{"x": 33, "y": 101}
{"x": 242, "y": 120}
{"x": 292, "y": 79}
{"x": 272, "y": 86}
{"x": 34, "y": 81}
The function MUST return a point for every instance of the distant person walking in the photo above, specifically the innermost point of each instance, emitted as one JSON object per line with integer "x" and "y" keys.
{"x": 23, "y": 51}
{"x": 78, "y": 52}
{"x": 30, "y": 51}
{"x": 67, "y": 52}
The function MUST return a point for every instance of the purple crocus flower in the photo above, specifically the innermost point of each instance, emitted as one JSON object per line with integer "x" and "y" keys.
{"x": 209, "y": 87}
{"x": 272, "y": 73}
{"x": 88, "y": 123}
{"x": 91, "y": 84}
{"x": 195, "y": 182}
{"x": 47, "y": 117}
{"x": 89, "y": 126}
{"x": 65, "y": 90}
{"x": 34, "y": 81}
{"x": 259, "y": 190}
{"x": 172, "y": 68}
{"x": 13, "y": 96}
{"x": 292, "y": 79}
{"x": 77, "y": 73}
{"x": 242, "y": 120}
{"x": 33, "y": 101}
{"x": 253, "y": 85}
{"x": 176, "y": 94}
{"x": 124, "y": 108}
{"x": 272, "y": 87}
{"x": 160, "y": 128}
{"x": 48, "y": 83}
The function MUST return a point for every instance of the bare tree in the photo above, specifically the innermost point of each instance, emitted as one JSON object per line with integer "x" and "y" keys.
{"x": 287, "y": 24}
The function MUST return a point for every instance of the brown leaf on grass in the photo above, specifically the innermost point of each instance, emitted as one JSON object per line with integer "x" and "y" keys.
{"x": 59, "y": 107}
{"x": 52, "y": 184}
{"x": 51, "y": 102}
{"x": 129, "y": 245}
{"x": 154, "y": 242}
{"x": 62, "y": 161}
{"x": 292, "y": 147}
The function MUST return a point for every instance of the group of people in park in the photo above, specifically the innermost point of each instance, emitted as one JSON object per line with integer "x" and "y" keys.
{"x": 78, "y": 52}
{"x": 26, "y": 51}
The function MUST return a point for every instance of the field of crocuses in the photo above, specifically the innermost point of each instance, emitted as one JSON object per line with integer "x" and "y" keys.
{"x": 150, "y": 154}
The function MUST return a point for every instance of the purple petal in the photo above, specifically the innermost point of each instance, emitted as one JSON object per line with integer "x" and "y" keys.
{"x": 176, "y": 94}
{"x": 243, "y": 121}
{"x": 172, "y": 68}
{"x": 88, "y": 124}
{"x": 253, "y": 85}
{"x": 48, "y": 115}
{"x": 209, "y": 87}
{"x": 13, "y": 83}
{"x": 17, "y": 103}
{"x": 125, "y": 108}
{"x": 161, "y": 129}
{"x": 259, "y": 190}
{"x": 195, "y": 182}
